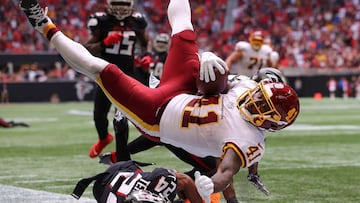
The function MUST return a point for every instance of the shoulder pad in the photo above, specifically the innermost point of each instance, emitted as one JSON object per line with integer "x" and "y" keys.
{"x": 266, "y": 48}
{"x": 138, "y": 21}
{"x": 98, "y": 15}
{"x": 274, "y": 57}
{"x": 94, "y": 19}
{"x": 242, "y": 45}
{"x": 138, "y": 15}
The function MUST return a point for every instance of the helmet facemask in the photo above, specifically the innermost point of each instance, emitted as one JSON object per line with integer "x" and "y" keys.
{"x": 161, "y": 42}
{"x": 120, "y": 8}
{"x": 257, "y": 107}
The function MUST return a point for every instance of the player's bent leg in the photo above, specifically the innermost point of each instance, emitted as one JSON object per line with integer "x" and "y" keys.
{"x": 140, "y": 144}
{"x": 179, "y": 15}
{"x": 79, "y": 58}
{"x": 121, "y": 128}
{"x": 102, "y": 107}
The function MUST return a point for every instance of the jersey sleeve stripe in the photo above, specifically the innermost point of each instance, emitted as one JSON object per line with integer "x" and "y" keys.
{"x": 238, "y": 151}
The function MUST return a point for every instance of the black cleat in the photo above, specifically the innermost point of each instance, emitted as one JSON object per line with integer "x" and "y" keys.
{"x": 254, "y": 179}
{"x": 106, "y": 158}
{"x": 35, "y": 14}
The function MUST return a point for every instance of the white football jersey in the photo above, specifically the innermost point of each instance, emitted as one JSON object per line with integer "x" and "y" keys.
{"x": 209, "y": 126}
{"x": 251, "y": 60}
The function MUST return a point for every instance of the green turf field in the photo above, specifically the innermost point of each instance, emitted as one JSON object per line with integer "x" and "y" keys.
{"x": 315, "y": 160}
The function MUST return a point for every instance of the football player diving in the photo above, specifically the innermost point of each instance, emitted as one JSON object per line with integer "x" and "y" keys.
{"x": 231, "y": 126}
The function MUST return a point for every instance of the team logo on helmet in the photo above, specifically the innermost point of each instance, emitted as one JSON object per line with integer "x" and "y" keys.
{"x": 270, "y": 105}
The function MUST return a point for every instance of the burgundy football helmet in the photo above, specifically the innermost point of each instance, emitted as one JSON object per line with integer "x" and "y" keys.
{"x": 270, "y": 105}
{"x": 256, "y": 39}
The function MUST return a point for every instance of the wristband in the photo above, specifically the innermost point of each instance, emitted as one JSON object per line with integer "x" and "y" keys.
{"x": 50, "y": 30}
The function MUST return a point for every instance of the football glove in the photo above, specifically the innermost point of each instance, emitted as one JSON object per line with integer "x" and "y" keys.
{"x": 145, "y": 62}
{"x": 254, "y": 179}
{"x": 208, "y": 63}
{"x": 112, "y": 38}
{"x": 204, "y": 186}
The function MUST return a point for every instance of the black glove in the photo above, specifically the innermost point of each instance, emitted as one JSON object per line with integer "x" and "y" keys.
{"x": 255, "y": 180}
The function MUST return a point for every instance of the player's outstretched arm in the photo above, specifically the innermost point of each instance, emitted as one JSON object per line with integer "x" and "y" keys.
{"x": 76, "y": 55}
{"x": 187, "y": 187}
{"x": 223, "y": 177}
{"x": 233, "y": 58}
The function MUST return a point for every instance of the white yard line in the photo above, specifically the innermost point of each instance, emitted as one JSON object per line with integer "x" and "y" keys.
{"x": 305, "y": 127}
{"x": 10, "y": 194}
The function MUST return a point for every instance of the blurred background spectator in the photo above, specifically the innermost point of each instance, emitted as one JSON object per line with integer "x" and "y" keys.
{"x": 317, "y": 34}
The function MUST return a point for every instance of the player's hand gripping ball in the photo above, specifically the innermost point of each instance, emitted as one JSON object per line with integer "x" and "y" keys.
{"x": 213, "y": 87}
{"x": 213, "y": 74}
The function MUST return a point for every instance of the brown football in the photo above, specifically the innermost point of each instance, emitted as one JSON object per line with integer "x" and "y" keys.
{"x": 213, "y": 87}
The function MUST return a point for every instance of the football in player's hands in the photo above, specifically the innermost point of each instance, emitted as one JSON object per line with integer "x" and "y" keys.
{"x": 213, "y": 87}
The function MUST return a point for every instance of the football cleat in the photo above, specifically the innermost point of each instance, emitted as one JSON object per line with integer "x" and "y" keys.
{"x": 107, "y": 158}
{"x": 254, "y": 179}
{"x": 97, "y": 148}
{"x": 35, "y": 14}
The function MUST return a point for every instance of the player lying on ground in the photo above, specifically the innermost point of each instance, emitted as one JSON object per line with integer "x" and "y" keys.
{"x": 125, "y": 181}
{"x": 11, "y": 124}
{"x": 229, "y": 126}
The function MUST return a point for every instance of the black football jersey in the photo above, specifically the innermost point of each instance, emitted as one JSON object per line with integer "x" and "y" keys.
{"x": 122, "y": 53}
{"x": 157, "y": 64}
{"x": 126, "y": 177}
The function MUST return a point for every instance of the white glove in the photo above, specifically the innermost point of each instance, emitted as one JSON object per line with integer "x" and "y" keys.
{"x": 204, "y": 186}
{"x": 209, "y": 61}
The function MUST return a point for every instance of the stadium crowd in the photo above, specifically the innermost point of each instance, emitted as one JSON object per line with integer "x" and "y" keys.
{"x": 307, "y": 34}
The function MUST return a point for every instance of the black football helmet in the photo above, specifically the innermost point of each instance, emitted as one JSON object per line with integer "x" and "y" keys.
{"x": 120, "y": 8}
{"x": 271, "y": 74}
{"x": 161, "y": 42}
